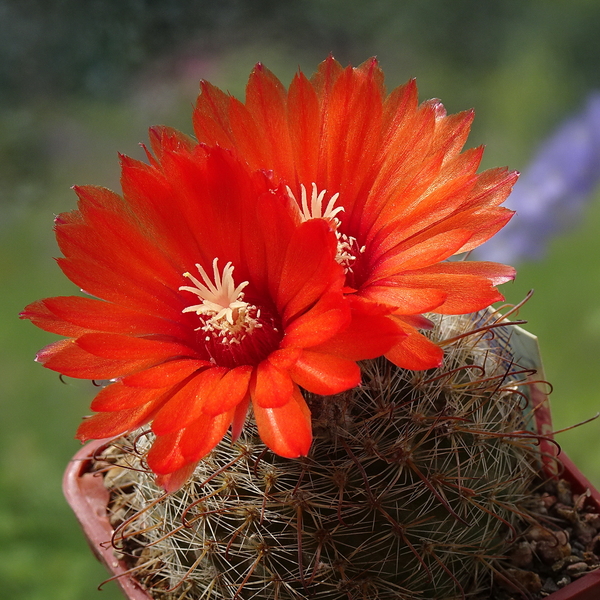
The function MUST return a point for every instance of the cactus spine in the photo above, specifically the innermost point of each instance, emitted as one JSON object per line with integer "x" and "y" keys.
{"x": 411, "y": 490}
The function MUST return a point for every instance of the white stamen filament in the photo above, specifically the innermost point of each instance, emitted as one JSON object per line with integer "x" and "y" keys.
{"x": 229, "y": 317}
{"x": 347, "y": 245}
{"x": 347, "y": 250}
{"x": 316, "y": 204}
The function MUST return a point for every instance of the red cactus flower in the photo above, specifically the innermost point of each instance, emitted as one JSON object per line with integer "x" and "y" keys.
{"x": 388, "y": 173}
{"x": 206, "y": 295}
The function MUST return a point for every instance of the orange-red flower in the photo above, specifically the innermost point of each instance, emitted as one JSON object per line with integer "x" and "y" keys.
{"x": 205, "y": 294}
{"x": 390, "y": 175}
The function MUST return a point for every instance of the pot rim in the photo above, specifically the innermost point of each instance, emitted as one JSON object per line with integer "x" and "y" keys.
{"x": 88, "y": 498}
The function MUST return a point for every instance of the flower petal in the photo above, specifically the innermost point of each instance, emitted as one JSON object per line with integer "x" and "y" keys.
{"x": 352, "y": 130}
{"x": 328, "y": 316}
{"x": 410, "y": 255}
{"x": 174, "y": 481}
{"x": 116, "y": 397}
{"x": 228, "y": 392}
{"x": 201, "y": 436}
{"x": 125, "y": 347}
{"x": 166, "y": 374}
{"x": 367, "y": 336}
{"x": 309, "y": 268}
{"x": 271, "y": 387}
{"x": 110, "y": 424}
{"x": 286, "y": 430}
{"x": 239, "y": 418}
{"x": 415, "y": 351}
{"x": 408, "y": 300}
{"x": 41, "y": 316}
{"x": 495, "y": 273}
{"x": 266, "y": 101}
{"x": 304, "y": 122}
{"x": 165, "y": 455}
{"x": 187, "y": 403}
{"x": 211, "y": 117}
{"x": 324, "y": 374}
{"x": 69, "y": 359}
{"x": 91, "y": 314}
{"x": 284, "y": 358}
{"x": 466, "y": 288}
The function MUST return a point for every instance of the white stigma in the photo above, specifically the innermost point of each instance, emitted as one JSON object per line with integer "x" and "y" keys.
{"x": 348, "y": 248}
{"x": 228, "y": 316}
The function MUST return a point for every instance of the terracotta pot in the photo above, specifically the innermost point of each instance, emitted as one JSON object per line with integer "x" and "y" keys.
{"x": 87, "y": 496}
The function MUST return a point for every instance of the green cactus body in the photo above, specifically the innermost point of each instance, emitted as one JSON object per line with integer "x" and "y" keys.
{"x": 411, "y": 490}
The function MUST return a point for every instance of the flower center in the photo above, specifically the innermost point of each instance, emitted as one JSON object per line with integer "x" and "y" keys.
{"x": 222, "y": 311}
{"x": 347, "y": 246}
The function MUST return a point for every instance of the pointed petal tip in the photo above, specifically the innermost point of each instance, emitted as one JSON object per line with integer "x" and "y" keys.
{"x": 43, "y": 355}
{"x": 410, "y": 88}
{"x": 286, "y": 430}
{"x": 171, "y": 482}
{"x": 82, "y": 191}
{"x": 502, "y": 274}
{"x": 125, "y": 160}
{"x": 415, "y": 352}
{"x": 80, "y": 433}
{"x": 155, "y": 131}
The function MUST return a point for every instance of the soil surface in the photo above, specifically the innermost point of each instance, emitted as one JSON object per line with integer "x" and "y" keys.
{"x": 563, "y": 546}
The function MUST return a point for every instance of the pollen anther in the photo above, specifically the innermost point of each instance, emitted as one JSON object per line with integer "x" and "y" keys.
{"x": 223, "y": 312}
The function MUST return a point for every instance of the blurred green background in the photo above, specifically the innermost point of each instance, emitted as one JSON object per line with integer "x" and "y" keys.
{"x": 80, "y": 81}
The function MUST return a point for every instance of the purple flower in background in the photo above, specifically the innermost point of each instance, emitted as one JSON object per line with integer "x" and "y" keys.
{"x": 552, "y": 190}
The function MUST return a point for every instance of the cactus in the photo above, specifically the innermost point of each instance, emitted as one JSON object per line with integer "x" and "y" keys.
{"x": 412, "y": 489}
